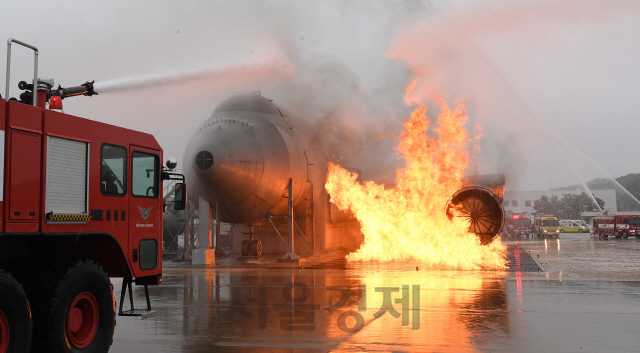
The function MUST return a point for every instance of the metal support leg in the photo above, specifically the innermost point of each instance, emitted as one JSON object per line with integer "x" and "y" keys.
{"x": 144, "y": 314}
{"x": 146, "y": 293}
{"x": 291, "y": 255}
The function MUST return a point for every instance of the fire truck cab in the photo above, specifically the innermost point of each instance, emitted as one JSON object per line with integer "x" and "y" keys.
{"x": 81, "y": 201}
{"x": 517, "y": 224}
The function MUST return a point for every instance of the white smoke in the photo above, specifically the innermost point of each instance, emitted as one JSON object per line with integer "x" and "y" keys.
{"x": 344, "y": 66}
{"x": 534, "y": 74}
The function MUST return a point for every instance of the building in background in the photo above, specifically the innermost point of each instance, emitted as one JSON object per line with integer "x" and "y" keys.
{"x": 523, "y": 201}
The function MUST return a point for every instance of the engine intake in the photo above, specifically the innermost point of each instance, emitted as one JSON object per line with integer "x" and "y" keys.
{"x": 481, "y": 208}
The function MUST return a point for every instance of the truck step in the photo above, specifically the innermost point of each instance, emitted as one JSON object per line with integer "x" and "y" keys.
{"x": 143, "y": 313}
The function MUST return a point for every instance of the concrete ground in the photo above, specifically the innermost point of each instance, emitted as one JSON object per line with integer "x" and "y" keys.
{"x": 588, "y": 301}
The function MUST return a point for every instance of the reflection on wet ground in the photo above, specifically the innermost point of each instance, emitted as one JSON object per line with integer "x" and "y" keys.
{"x": 581, "y": 255}
{"x": 576, "y": 307}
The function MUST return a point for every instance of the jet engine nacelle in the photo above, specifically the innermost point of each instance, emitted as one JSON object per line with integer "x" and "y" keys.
{"x": 243, "y": 157}
{"x": 481, "y": 208}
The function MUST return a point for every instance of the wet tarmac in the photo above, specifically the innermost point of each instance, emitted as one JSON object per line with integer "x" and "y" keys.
{"x": 588, "y": 301}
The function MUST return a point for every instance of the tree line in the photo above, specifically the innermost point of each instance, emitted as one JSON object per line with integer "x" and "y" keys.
{"x": 569, "y": 206}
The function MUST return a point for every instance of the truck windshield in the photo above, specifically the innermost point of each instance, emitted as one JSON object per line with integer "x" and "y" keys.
{"x": 634, "y": 221}
{"x": 550, "y": 222}
{"x": 144, "y": 172}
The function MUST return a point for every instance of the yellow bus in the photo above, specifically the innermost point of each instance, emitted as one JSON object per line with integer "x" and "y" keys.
{"x": 546, "y": 227}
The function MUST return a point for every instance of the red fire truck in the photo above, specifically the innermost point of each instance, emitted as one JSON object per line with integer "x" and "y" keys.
{"x": 517, "y": 224}
{"x": 81, "y": 201}
{"x": 619, "y": 226}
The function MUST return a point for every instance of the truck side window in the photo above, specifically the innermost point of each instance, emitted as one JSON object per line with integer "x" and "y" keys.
{"x": 113, "y": 170}
{"x": 144, "y": 174}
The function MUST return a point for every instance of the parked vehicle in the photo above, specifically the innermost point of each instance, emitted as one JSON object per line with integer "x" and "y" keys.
{"x": 584, "y": 223}
{"x": 571, "y": 226}
{"x": 545, "y": 226}
{"x": 517, "y": 224}
{"x": 619, "y": 226}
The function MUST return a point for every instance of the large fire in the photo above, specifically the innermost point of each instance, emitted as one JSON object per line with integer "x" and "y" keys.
{"x": 408, "y": 222}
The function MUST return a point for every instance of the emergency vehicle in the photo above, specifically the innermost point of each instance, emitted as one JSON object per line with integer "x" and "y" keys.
{"x": 81, "y": 201}
{"x": 571, "y": 226}
{"x": 545, "y": 226}
{"x": 619, "y": 226}
{"x": 517, "y": 224}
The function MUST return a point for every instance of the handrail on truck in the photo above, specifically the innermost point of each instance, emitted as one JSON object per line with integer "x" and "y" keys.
{"x": 35, "y": 68}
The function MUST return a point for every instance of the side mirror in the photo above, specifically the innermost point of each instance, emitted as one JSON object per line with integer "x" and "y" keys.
{"x": 180, "y": 196}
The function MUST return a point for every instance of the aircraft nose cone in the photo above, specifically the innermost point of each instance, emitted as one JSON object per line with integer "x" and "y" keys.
{"x": 227, "y": 166}
{"x": 228, "y": 157}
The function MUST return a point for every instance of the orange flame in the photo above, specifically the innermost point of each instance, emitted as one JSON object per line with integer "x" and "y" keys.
{"x": 408, "y": 222}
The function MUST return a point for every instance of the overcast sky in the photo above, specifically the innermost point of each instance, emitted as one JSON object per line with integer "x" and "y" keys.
{"x": 555, "y": 84}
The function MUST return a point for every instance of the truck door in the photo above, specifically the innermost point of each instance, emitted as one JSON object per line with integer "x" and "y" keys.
{"x": 145, "y": 223}
{"x": 112, "y": 206}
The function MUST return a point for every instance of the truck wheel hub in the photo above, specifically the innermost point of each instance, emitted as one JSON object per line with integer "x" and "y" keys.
{"x": 82, "y": 322}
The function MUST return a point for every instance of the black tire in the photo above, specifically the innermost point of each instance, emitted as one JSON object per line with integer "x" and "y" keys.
{"x": 603, "y": 235}
{"x": 63, "y": 291}
{"x": 579, "y": 230}
{"x": 561, "y": 230}
{"x": 15, "y": 316}
{"x": 625, "y": 235}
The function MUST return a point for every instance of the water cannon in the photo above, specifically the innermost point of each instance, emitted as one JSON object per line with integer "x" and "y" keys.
{"x": 85, "y": 89}
{"x": 45, "y": 85}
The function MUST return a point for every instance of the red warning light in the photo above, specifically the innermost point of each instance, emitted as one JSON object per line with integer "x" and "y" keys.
{"x": 55, "y": 102}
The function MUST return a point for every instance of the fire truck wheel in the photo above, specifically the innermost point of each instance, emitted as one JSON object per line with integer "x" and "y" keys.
{"x": 625, "y": 235}
{"x": 15, "y": 316}
{"x": 77, "y": 310}
{"x": 603, "y": 235}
